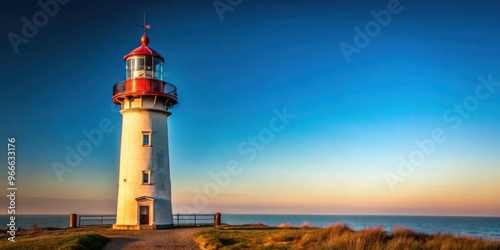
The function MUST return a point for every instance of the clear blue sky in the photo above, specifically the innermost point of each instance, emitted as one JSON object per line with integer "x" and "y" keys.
{"x": 355, "y": 115}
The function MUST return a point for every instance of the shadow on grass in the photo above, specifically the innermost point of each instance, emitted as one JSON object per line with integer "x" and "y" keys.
{"x": 228, "y": 242}
{"x": 118, "y": 243}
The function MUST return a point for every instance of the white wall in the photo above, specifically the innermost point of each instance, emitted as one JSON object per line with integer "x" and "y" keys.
{"x": 141, "y": 116}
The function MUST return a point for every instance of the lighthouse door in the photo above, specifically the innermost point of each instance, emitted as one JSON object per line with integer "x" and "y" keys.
{"x": 144, "y": 215}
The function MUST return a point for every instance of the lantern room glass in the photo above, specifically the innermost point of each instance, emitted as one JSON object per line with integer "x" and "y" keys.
{"x": 158, "y": 63}
{"x": 144, "y": 67}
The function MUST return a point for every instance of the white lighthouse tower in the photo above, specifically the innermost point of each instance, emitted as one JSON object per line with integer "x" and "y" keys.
{"x": 144, "y": 192}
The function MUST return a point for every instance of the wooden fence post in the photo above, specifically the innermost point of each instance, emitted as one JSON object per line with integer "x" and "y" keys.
{"x": 217, "y": 220}
{"x": 72, "y": 221}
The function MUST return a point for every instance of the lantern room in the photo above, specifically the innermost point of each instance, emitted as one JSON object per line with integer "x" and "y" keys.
{"x": 144, "y": 77}
{"x": 144, "y": 62}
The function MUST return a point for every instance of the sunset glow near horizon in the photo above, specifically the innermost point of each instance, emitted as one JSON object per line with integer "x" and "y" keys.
{"x": 327, "y": 107}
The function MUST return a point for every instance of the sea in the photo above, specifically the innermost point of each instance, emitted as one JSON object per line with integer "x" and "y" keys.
{"x": 485, "y": 227}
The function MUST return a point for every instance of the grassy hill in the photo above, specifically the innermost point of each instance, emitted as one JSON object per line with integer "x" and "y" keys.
{"x": 338, "y": 236}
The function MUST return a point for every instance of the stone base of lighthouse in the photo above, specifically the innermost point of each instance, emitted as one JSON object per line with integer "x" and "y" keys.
{"x": 144, "y": 189}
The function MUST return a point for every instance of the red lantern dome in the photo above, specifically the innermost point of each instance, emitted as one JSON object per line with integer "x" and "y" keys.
{"x": 144, "y": 50}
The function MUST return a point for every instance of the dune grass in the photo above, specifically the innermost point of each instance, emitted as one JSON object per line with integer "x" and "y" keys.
{"x": 338, "y": 236}
{"x": 73, "y": 242}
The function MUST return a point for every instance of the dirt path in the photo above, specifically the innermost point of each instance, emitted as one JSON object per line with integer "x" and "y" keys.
{"x": 178, "y": 238}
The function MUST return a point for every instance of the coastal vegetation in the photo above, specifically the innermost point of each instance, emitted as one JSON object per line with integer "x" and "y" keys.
{"x": 337, "y": 236}
{"x": 71, "y": 241}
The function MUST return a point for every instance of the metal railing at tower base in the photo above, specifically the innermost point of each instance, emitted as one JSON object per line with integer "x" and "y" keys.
{"x": 96, "y": 220}
{"x": 196, "y": 220}
{"x": 179, "y": 220}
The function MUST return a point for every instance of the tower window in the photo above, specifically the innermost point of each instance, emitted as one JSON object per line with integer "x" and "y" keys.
{"x": 146, "y": 177}
{"x": 146, "y": 138}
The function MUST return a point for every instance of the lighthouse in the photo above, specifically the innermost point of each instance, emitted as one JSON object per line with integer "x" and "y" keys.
{"x": 144, "y": 190}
